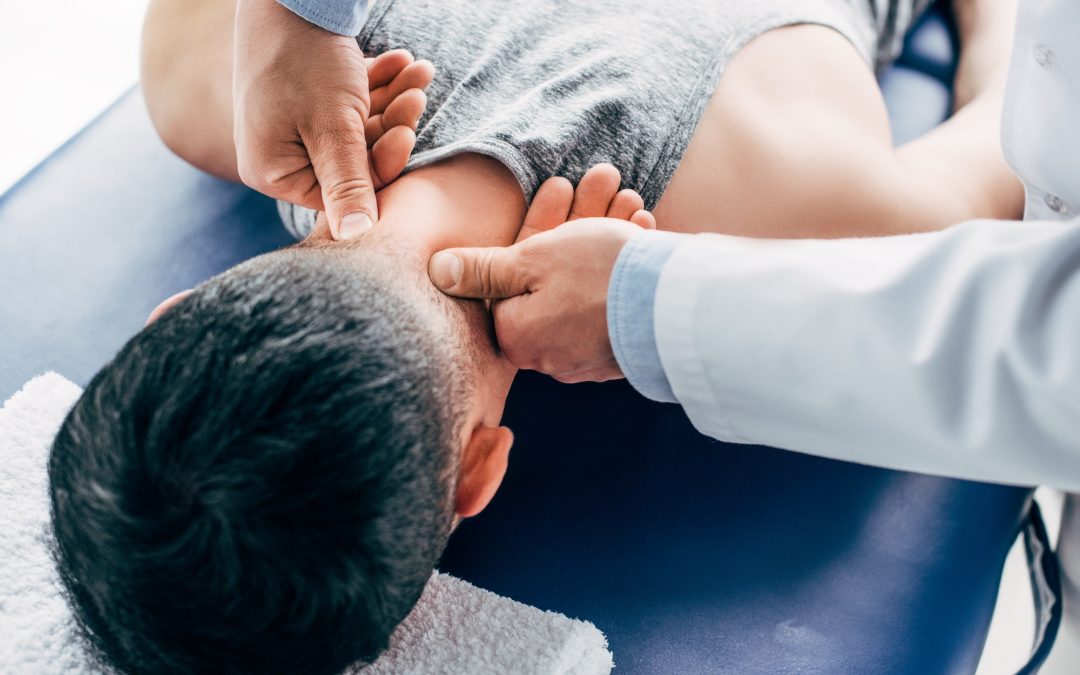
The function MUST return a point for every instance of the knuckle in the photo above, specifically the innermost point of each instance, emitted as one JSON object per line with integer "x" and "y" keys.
{"x": 548, "y": 364}
{"x": 531, "y": 260}
{"x": 257, "y": 177}
{"x": 552, "y": 359}
{"x": 514, "y": 348}
{"x": 245, "y": 169}
{"x": 512, "y": 323}
{"x": 513, "y": 351}
{"x": 531, "y": 252}
{"x": 528, "y": 364}
{"x": 484, "y": 272}
{"x": 340, "y": 189}
{"x": 271, "y": 181}
{"x": 334, "y": 126}
{"x": 539, "y": 257}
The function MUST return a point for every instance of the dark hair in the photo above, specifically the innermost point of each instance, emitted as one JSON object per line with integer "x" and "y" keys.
{"x": 260, "y": 481}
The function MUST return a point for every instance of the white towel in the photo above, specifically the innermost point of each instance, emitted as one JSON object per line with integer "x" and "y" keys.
{"x": 456, "y": 627}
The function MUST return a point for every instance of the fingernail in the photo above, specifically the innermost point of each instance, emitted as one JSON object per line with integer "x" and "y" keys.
{"x": 445, "y": 270}
{"x": 354, "y": 225}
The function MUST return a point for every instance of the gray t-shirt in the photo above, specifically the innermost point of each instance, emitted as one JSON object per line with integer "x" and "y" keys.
{"x": 552, "y": 87}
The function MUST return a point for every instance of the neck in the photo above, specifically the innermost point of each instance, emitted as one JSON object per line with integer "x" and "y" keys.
{"x": 469, "y": 200}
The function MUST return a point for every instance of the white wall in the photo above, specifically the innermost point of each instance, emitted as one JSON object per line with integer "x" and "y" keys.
{"x": 61, "y": 63}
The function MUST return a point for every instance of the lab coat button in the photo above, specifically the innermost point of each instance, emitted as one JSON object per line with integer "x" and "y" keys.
{"x": 1043, "y": 56}
{"x": 1055, "y": 204}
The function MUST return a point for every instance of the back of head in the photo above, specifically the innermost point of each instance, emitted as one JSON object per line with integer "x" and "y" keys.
{"x": 260, "y": 481}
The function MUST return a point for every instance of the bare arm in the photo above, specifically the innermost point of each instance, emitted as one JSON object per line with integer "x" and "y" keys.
{"x": 965, "y": 152}
{"x": 187, "y": 80}
{"x": 796, "y": 143}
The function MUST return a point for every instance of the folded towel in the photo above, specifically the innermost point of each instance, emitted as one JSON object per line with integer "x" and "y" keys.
{"x": 455, "y": 628}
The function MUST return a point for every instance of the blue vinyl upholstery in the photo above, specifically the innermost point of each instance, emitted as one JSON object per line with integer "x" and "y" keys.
{"x": 697, "y": 556}
{"x": 918, "y": 87}
{"x": 692, "y": 555}
{"x": 100, "y": 233}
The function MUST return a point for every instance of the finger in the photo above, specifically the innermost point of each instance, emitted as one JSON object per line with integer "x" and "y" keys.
{"x": 513, "y": 332}
{"x": 386, "y": 66}
{"x": 416, "y": 75}
{"x": 626, "y": 203}
{"x": 300, "y": 187}
{"x": 282, "y": 171}
{"x": 390, "y": 155}
{"x": 166, "y": 305}
{"x": 491, "y": 273}
{"x": 340, "y": 159}
{"x": 604, "y": 373}
{"x": 373, "y": 130}
{"x": 595, "y": 192}
{"x": 591, "y": 376}
{"x": 405, "y": 110}
{"x": 550, "y": 207}
{"x": 644, "y": 219}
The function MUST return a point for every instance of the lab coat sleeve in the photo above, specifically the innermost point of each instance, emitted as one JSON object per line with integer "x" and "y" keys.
{"x": 954, "y": 353}
{"x": 630, "y": 304}
{"x": 344, "y": 17}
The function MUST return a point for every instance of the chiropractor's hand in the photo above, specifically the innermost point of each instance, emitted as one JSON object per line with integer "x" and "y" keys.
{"x": 551, "y": 286}
{"x": 301, "y": 100}
{"x": 554, "y": 317}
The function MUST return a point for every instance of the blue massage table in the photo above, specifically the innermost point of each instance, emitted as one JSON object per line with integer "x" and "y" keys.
{"x": 691, "y": 555}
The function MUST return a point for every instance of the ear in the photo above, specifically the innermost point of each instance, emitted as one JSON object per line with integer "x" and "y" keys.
{"x": 483, "y": 465}
{"x": 168, "y": 304}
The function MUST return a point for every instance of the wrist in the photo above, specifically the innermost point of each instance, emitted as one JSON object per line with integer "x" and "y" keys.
{"x": 630, "y": 311}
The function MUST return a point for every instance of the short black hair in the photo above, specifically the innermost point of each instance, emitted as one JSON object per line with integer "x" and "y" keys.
{"x": 262, "y": 480}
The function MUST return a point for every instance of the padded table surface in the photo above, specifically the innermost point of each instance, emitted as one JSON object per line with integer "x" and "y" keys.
{"x": 692, "y": 555}
{"x": 698, "y": 556}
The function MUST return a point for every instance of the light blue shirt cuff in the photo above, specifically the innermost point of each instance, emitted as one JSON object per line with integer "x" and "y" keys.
{"x": 630, "y": 304}
{"x": 344, "y": 17}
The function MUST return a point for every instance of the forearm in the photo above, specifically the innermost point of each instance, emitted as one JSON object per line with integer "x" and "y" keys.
{"x": 950, "y": 353}
{"x": 986, "y": 29}
{"x": 186, "y": 79}
{"x": 963, "y": 156}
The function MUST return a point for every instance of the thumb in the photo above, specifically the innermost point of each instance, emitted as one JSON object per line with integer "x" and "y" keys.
{"x": 347, "y": 189}
{"x": 490, "y": 273}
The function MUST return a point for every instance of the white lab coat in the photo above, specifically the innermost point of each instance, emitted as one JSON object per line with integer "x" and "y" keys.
{"x": 954, "y": 353}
